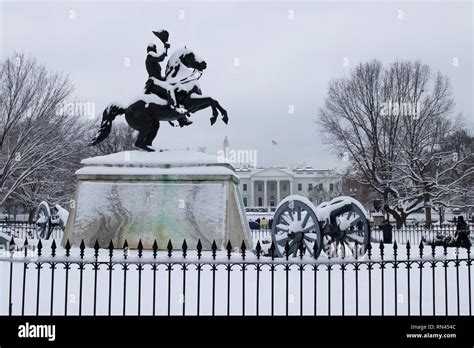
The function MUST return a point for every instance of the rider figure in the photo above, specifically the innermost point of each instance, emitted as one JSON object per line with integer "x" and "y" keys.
{"x": 158, "y": 84}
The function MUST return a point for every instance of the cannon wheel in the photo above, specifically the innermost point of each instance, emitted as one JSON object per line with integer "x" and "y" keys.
{"x": 43, "y": 221}
{"x": 352, "y": 227}
{"x": 295, "y": 222}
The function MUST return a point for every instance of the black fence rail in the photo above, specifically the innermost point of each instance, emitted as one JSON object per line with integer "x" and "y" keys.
{"x": 24, "y": 230}
{"x": 401, "y": 236}
{"x": 93, "y": 281}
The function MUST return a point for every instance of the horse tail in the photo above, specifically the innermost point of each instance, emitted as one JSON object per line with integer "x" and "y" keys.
{"x": 109, "y": 114}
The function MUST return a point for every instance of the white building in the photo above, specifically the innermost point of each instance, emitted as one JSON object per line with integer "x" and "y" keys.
{"x": 266, "y": 187}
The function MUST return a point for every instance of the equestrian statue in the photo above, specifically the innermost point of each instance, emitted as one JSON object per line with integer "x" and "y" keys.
{"x": 170, "y": 96}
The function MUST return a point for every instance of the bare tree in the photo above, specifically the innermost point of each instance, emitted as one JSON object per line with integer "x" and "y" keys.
{"x": 389, "y": 122}
{"x": 38, "y": 144}
{"x": 121, "y": 138}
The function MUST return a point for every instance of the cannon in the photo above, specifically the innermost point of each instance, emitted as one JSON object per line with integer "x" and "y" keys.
{"x": 340, "y": 226}
{"x": 48, "y": 217}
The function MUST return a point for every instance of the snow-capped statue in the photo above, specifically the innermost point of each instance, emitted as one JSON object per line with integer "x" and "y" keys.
{"x": 157, "y": 83}
{"x": 171, "y": 97}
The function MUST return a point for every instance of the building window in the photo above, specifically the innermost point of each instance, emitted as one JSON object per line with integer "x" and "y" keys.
{"x": 284, "y": 186}
{"x": 244, "y": 187}
{"x": 331, "y": 187}
{"x": 321, "y": 187}
{"x": 245, "y": 201}
{"x": 260, "y": 202}
{"x": 272, "y": 186}
{"x": 259, "y": 187}
{"x": 300, "y": 187}
{"x": 310, "y": 187}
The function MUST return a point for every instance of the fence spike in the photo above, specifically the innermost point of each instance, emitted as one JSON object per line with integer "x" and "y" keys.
{"x": 408, "y": 246}
{"x": 287, "y": 249}
{"x": 40, "y": 247}
{"x": 369, "y": 250}
{"x": 395, "y": 249}
{"x": 272, "y": 250}
{"x": 170, "y": 248}
{"x": 53, "y": 248}
{"x": 82, "y": 247}
{"x": 125, "y": 249}
{"x": 258, "y": 250}
{"x": 214, "y": 249}
{"x": 111, "y": 249}
{"x": 229, "y": 249}
{"x": 315, "y": 250}
{"x": 67, "y": 247}
{"x": 433, "y": 249}
{"x": 12, "y": 246}
{"x": 26, "y": 242}
{"x": 302, "y": 250}
{"x": 96, "y": 248}
{"x": 199, "y": 248}
{"x": 155, "y": 248}
{"x": 445, "y": 247}
{"x": 184, "y": 247}
{"x": 381, "y": 247}
{"x": 140, "y": 248}
{"x": 421, "y": 246}
{"x": 243, "y": 248}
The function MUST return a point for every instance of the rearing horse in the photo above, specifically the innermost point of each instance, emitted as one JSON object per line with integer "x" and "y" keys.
{"x": 145, "y": 112}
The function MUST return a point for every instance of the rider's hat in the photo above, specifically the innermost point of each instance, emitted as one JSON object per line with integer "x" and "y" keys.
{"x": 163, "y": 35}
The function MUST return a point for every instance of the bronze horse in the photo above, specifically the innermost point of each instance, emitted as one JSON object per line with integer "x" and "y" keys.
{"x": 145, "y": 113}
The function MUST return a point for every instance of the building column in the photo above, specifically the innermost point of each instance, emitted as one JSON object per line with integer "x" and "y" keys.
{"x": 291, "y": 187}
{"x": 265, "y": 193}
{"x": 251, "y": 193}
{"x": 278, "y": 193}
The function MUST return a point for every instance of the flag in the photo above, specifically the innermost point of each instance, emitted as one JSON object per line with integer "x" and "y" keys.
{"x": 274, "y": 142}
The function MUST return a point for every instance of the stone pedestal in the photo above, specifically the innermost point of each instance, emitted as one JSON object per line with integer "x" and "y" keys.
{"x": 175, "y": 195}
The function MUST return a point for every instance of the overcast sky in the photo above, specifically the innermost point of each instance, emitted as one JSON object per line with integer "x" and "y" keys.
{"x": 286, "y": 52}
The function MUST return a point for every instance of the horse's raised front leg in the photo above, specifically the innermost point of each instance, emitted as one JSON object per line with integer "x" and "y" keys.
{"x": 196, "y": 104}
{"x": 223, "y": 111}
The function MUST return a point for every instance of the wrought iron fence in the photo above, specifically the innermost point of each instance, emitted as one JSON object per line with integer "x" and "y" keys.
{"x": 23, "y": 230}
{"x": 401, "y": 236}
{"x": 93, "y": 281}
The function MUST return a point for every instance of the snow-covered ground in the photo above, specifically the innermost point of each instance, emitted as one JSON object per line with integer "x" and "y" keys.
{"x": 322, "y": 285}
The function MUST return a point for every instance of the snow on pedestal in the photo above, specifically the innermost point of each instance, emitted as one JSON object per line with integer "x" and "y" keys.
{"x": 175, "y": 195}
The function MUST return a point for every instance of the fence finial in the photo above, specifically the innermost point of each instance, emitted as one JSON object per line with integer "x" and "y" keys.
{"x": 184, "y": 247}
{"x": 67, "y": 247}
{"x": 287, "y": 249}
{"x": 169, "y": 247}
{"x": 214, "y": 249}
{"x": 111, "y": 249}
{"x": 53, "y": 248}
{"x": 199, "y": 248}
{"x": 243, "y": 248}
{"x": 229, "y": 249}
{"x": 258, "y": 250}
{"x": 82, "y": 247}
{"x": 272, "y": 250}
{"x": 140, "y": 248}
{"x": 421, "y": 246}
{"x": 40, "y": 247}
{"x": 315, "y": 250}
{"x": 96, "y": 248}
{"x": 155, "y": 248}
